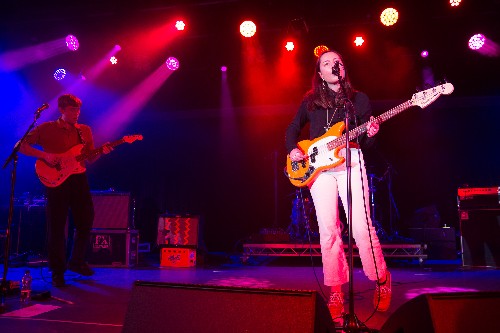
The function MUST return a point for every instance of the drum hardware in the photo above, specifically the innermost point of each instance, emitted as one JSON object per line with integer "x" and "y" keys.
{"x": 303, "y": 215}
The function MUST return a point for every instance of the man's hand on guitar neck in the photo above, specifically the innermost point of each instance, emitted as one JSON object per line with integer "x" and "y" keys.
{"x": 103, "y": 150}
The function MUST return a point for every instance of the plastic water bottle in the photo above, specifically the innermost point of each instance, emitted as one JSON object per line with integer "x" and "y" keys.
{"x": 26, "y": 287}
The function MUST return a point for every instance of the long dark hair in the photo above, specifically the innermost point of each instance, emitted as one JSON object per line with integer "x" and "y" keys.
{"x": 320, "y": 95}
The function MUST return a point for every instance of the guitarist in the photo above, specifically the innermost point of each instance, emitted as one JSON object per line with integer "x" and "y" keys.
{"x": 322, "y": 107}
{"x": 56, "y": 137}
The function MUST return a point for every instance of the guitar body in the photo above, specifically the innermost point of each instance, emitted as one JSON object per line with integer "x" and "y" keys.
{"x": 72, "y": 162}
{"x": 67, "y": 166}
{"x": 302, "y": 173}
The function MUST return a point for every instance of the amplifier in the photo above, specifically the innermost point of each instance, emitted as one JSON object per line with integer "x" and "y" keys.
{"x": 177, "y": 257}
{"x": 178, "y": 230}
{"x": 113, "y": 248}
{"x": 479, "y": 197}
{"x": 480, "y": 235}
{"x": 112, "y": 210}
{"x": 441, "y": 242}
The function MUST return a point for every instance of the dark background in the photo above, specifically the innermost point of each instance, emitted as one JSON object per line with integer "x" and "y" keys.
{"x": 228, "y": 167}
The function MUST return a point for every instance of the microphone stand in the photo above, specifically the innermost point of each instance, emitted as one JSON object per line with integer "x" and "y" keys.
{"x": 12, "y": 157}
{"x": 351, "y": 321}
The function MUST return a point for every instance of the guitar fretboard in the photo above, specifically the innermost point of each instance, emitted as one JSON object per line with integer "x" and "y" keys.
{"x": 354, "y": 133}
{"x": 95, "y": 152}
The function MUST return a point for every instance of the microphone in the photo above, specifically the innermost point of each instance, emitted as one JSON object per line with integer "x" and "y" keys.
{"x": 44, "y": 106}
{"x": 336, "y": 68}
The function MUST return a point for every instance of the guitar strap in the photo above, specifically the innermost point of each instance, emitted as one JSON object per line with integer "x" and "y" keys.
{"x": 80, "y": 135}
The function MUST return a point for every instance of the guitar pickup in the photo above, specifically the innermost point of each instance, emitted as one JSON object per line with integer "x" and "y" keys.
{"x": 312, "y": 156}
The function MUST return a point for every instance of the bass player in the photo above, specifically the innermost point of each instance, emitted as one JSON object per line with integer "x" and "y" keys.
{"x": 323, "y": 107}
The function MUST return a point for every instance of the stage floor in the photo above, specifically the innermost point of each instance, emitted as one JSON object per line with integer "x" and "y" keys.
{"x": 99, "y": 303}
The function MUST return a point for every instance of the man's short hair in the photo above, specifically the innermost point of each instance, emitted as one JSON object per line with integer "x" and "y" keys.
{"x": 68, "y": 100}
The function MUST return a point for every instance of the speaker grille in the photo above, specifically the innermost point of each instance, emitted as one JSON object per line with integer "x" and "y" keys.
{"x": 164, "y": 307}
{"x": 112, "y": 210}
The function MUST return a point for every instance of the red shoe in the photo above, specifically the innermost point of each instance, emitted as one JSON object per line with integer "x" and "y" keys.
{"x": 336, "y": 305}
{"x": 383, "y": 294}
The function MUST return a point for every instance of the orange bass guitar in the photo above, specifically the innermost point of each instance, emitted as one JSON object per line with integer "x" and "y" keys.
{"x": 323, "y": 152}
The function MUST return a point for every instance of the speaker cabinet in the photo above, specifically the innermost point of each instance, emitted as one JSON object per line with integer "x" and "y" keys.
{"x": 112, "y": 210}
{"x": 480, "y": 237}
{"x": 165, "y": 307}
{"x": 28, "y": 229}
{"x": 441, "y": 242}
{"x": 445, "y": 313}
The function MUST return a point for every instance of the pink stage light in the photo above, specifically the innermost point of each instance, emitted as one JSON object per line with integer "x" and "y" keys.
{"x": 424, "y": 54}
{"x": 172, "y": 63}
{"x": 477, "y": 41}
{"x": 60, "y": 74}
{"x": 248, "y": 29}
{"x": 113, "y": 60}
{"x": 72, "y": 43}
{"x": 223, "y": 69}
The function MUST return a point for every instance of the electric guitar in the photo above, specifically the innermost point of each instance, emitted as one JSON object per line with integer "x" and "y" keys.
{"x": 323, "y": 152}
{"x": 69, "y": 162}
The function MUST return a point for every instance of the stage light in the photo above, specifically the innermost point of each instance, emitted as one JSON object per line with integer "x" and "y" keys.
{"x": 113, "y": 60}
{"x": 223, "y": 69}
{"x": 477, "y": 41}
{"x": 455, "y": 3}
{"x": 172, "y": 63}
{"x": 248, "y": 29}
{"x": 72, "y": 43}
{"x": 289, "y": 46}
{"x": 180, "y": 25}
{"x": 389, "y": 16}
{"x": 424, "y": 54}
{"x": 318, "y": 50}
{"x": 59, "y": 74}
{"x": 358, "y": 41}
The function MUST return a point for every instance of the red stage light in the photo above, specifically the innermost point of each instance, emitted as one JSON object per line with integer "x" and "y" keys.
{"x": 358, "y": 41}
{"x": 289, "y": 46}
{"x": 180, "y": 25}
{"x": 248, "y": 29}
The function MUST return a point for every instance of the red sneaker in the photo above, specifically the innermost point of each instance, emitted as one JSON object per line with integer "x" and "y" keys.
{"x": 383, "y": 294}
{"x": 336, "y": 304}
